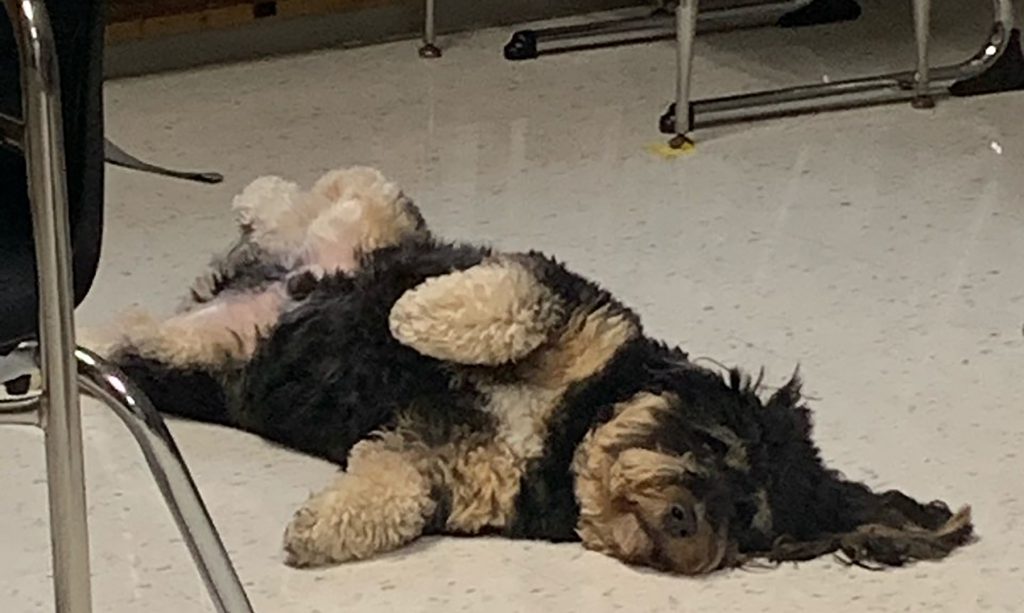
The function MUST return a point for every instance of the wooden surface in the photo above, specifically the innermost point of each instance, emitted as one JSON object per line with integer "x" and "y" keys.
{"x": 140, "y": 19}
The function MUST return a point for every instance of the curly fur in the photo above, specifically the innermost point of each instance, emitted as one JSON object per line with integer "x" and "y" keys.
{"x": 467, "y": 391}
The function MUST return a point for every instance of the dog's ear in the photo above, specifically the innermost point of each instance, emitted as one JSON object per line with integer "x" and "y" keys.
{"x": 638, "y": 470}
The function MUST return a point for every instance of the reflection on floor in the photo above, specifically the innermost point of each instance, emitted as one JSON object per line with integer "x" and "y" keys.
{"x": 880, "y": 249}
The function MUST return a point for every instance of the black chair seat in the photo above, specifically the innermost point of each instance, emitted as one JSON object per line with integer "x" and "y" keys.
{"x": 78, "y": 30}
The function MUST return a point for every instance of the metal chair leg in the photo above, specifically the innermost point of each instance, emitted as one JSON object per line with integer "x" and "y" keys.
{"x": 59, "y": 411}
{"x": 60, "y": 414}
{"x": 922, "y": 32}
{"x": 429, "y": 48}
{"x": 104, "y": 382}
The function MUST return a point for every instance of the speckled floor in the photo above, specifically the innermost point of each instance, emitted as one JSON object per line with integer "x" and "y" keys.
{"x": 881, "y": 249}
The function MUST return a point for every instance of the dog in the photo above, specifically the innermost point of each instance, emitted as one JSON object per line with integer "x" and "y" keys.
{"x": 465, "y": 390}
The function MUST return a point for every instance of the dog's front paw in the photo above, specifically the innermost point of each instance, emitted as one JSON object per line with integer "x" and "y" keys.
{"x": 306, "y": 541}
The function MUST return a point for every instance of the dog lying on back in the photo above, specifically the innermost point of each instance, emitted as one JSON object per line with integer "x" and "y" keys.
{"x": 468, "y": 391}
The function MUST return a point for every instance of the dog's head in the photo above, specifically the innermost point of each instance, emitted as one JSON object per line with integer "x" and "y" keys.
{"x": 647, "y": 504}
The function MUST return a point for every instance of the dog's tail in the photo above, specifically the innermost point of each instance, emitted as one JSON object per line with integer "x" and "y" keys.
{"x": 191, "y": 393}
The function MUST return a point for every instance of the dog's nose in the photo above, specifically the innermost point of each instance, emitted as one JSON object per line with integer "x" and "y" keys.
{"x": 680, "y": 521}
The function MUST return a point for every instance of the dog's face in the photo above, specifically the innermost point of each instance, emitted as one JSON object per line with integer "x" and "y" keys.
{"x": 664, "y": 497}
{"x": 647, "y": 505}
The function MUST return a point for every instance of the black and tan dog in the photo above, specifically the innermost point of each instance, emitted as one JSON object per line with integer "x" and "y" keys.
{"x": 468, "y": 391}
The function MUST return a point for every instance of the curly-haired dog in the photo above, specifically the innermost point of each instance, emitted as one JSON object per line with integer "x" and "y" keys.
{"x": 468, "y": 391}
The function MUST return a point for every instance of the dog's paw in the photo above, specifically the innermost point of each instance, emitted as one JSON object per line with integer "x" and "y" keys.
{"x": 304, "y": 541}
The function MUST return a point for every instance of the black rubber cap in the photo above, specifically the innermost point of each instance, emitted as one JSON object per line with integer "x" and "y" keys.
{"x": 522, "y": 46}
{"x": 821, "y": 12}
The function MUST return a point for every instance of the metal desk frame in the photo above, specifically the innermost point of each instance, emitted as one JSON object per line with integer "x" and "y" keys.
{"x": 997, "y": 66}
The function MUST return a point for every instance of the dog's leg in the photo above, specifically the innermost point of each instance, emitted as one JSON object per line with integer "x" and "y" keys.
{"x": 381, "y": 503}
{"x": 366, "y": 213}
{"x": 491, "y": 314}
{"x": 207, "y": 337}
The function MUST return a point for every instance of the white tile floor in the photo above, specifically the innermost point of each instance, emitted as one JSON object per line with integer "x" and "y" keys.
{"x": 881, "y": 249}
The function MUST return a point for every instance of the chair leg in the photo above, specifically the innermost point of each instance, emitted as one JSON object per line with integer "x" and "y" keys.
{"x": 429, "y": 49}
{"x": 60, "y": 414}
{"x": 922, "y": 33}
{"x": 686, "y": 32}
{"x": 113, "y": 154}
{"x": 104, "y": 382}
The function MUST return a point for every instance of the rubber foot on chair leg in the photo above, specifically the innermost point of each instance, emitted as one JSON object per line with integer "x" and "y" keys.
{"x": 667, "y": 121}
{"x": 923, "y": 102}
{"x": 522, "y": 46}
{"x": 820, "y": 12}
{"x": 1006, "y": 74}
{"x": 430, "y": 51}
{"x": 680, "y": 141}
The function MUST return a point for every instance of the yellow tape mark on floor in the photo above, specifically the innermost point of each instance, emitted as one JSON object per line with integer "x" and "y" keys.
{"x": 666, "y": 152}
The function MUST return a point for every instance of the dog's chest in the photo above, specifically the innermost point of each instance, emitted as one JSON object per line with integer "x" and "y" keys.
{"x": 522, "y": 412}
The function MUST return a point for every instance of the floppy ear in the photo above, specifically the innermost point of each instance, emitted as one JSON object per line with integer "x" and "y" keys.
{"x": 493, "y": 313}
{"x": 637, "y": 470}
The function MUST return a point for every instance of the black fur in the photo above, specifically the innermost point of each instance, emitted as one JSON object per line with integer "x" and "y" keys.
{"x": 546, "y": 506}
{"x": 330, "y": 373}
{"x": 245, "y": 267}
{"x": 193, "y": 394}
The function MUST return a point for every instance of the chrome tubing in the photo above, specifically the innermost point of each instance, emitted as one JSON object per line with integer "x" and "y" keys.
{"x": 850, "y": 93}
{"x": 106, "y": 383}
{"x": 922, "y": 33}
{"x": 429, "y": 49}
{"x": 59, "y": 410}
{"x": 524, "y": 44}
{"x": 686, "y": 32}
{"x": 11, "y": 132}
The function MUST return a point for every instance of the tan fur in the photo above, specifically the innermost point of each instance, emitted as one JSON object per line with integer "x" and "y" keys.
{"x": 490, "y": 314}
{"x": 481, "y": 474}
{"x": 626, "y": 491}
{"x": 600, "y": 525}
{"x": 276, "y": 212}
{"x": 374, "y": 207}
{"x": 522, "y": 412}
{"x": 736, "y": 457}
{"x": 636, "y": 470}
{"x": 381, "y": 503}
{"x": 349, "y": 211}
{"x": 208, "y": 335}
{"x": 586, "y": 344}
{"x": 484, "y": 485}
{"x": 493, "y": 314}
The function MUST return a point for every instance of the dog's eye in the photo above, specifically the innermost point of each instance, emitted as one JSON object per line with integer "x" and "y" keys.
{"x": 680, "y": 522}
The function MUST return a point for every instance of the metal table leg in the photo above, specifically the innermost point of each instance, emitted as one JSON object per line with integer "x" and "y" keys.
{"x": 530, "y": 44}
{"x": 997, "y": 66}
{"x": 922, "y": 33}
{"x": 686, "y": 32}
{"x": 429, "y": 49}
